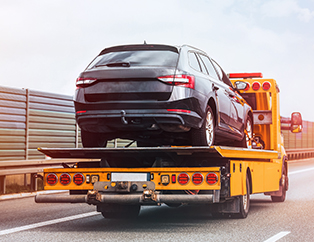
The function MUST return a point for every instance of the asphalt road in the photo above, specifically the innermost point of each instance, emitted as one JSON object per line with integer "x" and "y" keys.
{"x": 293, "y": 220}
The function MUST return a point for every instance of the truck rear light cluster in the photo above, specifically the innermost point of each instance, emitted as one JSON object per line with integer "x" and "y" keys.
{"x": 198, "y": 178}
{"x": 65, "y": 179}
{"x": 179, "y": 80}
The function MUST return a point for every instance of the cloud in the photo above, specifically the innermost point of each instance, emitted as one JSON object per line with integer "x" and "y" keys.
{"x": 279, "y": 9}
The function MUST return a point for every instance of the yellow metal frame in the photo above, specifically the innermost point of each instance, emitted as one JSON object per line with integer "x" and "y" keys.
{"x": 102, "y": 173}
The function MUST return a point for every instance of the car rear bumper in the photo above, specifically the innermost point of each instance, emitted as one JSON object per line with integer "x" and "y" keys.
{"x": 129, "y": 119}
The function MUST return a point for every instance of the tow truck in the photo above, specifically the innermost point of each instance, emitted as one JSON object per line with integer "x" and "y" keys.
{"x": 121, "y": 180}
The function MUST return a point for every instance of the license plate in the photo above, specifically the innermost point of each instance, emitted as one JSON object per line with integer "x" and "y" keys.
{"x": 120, "y": 176}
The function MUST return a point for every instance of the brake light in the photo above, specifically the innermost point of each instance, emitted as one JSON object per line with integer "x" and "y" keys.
{"x": 266, "y": 86}
{"x": 78, "y": 179}
{"x": 65, "y": 179}
{"x": 179, "y": 80}
{"x": 211, "y": 178}
{"x": 82, "y": 82}
{"x": 183, "y": 178}
{"x": 256, "y": 86}
{"x": 197, "y": 178}
{"x": 52, "y": 179}
{"x": 245, "y": 75}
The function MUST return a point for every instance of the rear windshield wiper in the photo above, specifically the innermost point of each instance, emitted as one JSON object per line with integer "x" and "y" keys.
{"x": 114, "y": 64}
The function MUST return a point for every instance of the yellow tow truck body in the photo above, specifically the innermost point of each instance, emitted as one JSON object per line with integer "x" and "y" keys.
{"x": 220, "y": 176}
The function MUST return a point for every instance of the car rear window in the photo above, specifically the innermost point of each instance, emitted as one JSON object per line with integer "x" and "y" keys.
{"x": 137, "y": 58}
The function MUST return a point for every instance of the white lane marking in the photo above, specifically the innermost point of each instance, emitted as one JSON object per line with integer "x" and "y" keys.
{"x": 300, "y": 171}
{"x": 41, "y": 224}
{"x": 278, "y": 236}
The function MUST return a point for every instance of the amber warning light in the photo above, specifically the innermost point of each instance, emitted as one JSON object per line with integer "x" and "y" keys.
{"x": 246, "y": 75}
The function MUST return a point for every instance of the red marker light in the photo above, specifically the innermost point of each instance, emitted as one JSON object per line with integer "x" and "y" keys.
{"x": 197, "y": 178}
{"x": 52, "y": 179}
{"x": 183, "y": 178}
{"x": 266, "y": 86}
{"x": 78, "y": 179}
{"x": 256, "y": 86}
{"x": 65, "y": 179}
{"x": 211, "y": 178}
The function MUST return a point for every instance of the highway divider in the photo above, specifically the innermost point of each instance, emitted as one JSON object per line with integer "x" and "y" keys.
{"x": 33, "y": 167}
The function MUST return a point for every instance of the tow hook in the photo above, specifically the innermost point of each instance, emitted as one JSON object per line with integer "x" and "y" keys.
{"x": 93, "y": 197}
{"x": 149, "y": 195}
{"x": 123, "y": 120}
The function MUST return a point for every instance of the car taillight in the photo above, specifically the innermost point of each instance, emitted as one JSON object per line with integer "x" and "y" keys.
{"x": 211, "y": 178}
{"x": 65, "y": 179}
{"x": 52, "y": 179}
{"x": 179, "y": 80}
{"x": 78, "y": 178}
{"x": 82, "y": 82}
{"x": 256, "y": 86}
{"x": 183, "y": 178}
{"x": 197, "y": 178}
{"x": 266, "y": 86}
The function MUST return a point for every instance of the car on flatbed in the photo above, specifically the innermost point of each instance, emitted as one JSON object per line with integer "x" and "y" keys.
{"x": 159, "y": 95}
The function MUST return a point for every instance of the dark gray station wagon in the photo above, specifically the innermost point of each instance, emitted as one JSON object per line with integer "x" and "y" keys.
{"x": 159, "y": 95}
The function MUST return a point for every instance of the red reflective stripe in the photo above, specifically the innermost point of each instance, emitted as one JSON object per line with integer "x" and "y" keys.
{"x": 179, "y": 110}
{"x": 80, "y": 112}
{"x": 245, "y": 75}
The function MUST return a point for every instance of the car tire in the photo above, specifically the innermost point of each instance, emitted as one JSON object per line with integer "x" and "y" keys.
{"x": 90, "y": 139}
{"x": 205, "y": 136}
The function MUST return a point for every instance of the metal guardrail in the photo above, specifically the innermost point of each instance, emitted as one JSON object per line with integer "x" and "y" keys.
{"x": 297, "y": 154}
{"x": 33, "y": 167}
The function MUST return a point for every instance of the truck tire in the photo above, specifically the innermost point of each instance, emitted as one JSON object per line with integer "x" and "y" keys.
{"x": 283, "y": 187}
{"x": 244, "y": 202}
{"x": 90, "y": 139}
{"x": 119, "y": 211}
{"x": 205, "y": 136}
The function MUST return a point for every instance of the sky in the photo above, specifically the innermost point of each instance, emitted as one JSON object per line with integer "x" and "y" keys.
{"x": 44, "y": 45}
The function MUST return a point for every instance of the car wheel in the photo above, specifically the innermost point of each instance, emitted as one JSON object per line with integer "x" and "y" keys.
{"x": 90, "y": 139}
{"x": 205, "y": 136}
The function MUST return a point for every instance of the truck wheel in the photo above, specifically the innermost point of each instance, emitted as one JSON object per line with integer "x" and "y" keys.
{"x": 90, "y": 139}
{"x": 205, "y": 136}
{"x": 119, "y": 211}
{"x": 283, "y": 187}
{"x": 244, "y": 202}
